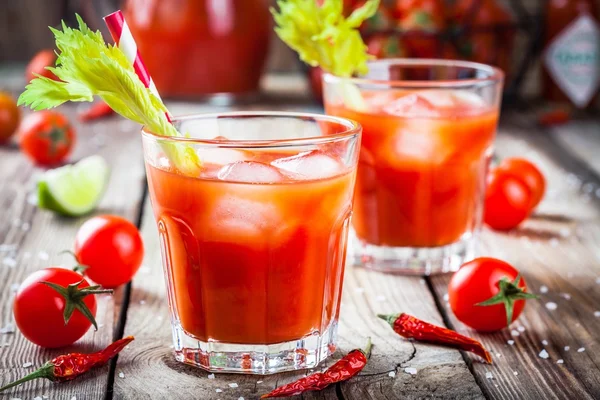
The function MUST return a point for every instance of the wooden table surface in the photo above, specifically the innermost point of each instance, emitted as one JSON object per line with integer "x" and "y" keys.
{"x": 558, "y": 249}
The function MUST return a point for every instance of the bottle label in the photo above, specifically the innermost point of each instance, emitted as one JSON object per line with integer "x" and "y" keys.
{"x": 573, "y": 60}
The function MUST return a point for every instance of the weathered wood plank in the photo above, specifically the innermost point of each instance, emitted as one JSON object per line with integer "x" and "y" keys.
{"x": 557, "y": 251}
{"x": 34, "y": 239}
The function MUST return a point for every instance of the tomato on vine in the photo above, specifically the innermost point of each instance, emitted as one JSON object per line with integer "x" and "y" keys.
{"x": 487, "y": 294}
{"x": 54, "y": 307}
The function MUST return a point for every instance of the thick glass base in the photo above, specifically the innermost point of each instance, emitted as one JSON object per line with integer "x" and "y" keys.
{"x": 259, "y": 359}
{"x": 413, "y": 260}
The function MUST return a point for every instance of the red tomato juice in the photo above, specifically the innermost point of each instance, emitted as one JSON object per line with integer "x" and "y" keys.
{"x": 252, "y": 263}
{"x": 422, "y": 166}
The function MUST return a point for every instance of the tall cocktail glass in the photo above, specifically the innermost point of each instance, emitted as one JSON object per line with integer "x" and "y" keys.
{"x": 254, "y": 245}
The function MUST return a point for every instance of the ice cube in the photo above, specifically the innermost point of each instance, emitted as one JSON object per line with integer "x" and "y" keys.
{"x": 310, "y": 165}
{"x": 412, "y": 105}
{"x": 438, "y": 98}
{"x": 250, "y": 172}
{"x": 221, "y": 156}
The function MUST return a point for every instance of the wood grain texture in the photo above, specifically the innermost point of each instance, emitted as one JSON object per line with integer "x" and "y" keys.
{"x": 557, "y": 251}
{"x": 31, "y": 239}
{"x": 149, "y": 369}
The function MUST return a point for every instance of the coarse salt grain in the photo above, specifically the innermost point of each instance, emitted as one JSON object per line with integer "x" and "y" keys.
{"x": 233, "y": 385}
{"x": 392, "y": 374}
{"x": 543, "y": 354}
{"x": 14, "y": 287}
{"x": 8, "y": 329}
{"x": 411, "y": 371}
{"x": 446, "y": 297}
{"x": 488, "y": 375}
{"x": 551, "y": 306}
{"x": 560, "y": 361}
{"x": 596, "y": 314}
{"x": 26, "y": 226}
{"x": 521, "y": 329}
{"x": 515, "y": 373}
{"x": 422, "y": 281}
{"x": 380, "y": 298}
{"x": 545, "y": 342}
{"x": 510, "y": 342}
{"x": 498, "y": 355}
{"x": 514, "y": 333}
{"x": 218, "y": 390}
{"x": 7, "y": 247}
{"x": 240, "y": 398}
{"x": 566, "y": 296}
{"x": 37, "y": 398}
{"x": 567, "y": 348}
{"x": 211, "y": 376}
{"x": 359, "y": 290}
{"x": 543, "y": 289}
{"x": 565, "y": 232}
{"x": 259, "y": 382}
{"x": 27, "y": 364}
{"x": 121, "y": 375}
{"x": 45, "y": 396}
{"x": 142, "y": 302}
{"x": 581, "y": 349}
{"x": 42, "y": 255}
{"x": 9, "y": 262}
{"x": 74, "y": 398}
{"x": 32, "y": 199}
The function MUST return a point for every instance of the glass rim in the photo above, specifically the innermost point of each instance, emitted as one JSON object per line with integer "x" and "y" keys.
{"x": 353, "y": 129}
{"x": 495, "y": 74}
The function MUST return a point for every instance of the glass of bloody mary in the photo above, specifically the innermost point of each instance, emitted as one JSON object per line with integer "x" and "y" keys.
{"x": 254, "y": 244}
{"x": 428, "y": 129}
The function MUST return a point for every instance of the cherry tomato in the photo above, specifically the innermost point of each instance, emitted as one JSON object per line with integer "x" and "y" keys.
{"x": 507, "y": 200}
{"x": 46, "y": 137}
{"x": 554, "y": 117}
{"x": 111, "y": 249}
{"x": 529, "y": 174}
{"x": 481, "y": 280}
{"x": 38, "y": 64}
{"x": 10, "y": 116}
{"x": 38, "y": 309}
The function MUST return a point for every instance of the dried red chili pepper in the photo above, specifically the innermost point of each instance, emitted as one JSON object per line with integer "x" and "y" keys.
{"x": 342, "y": 370}
{"x": 411, "y": 327}
{"x": 96, "y": 111}
{"x": 70, "y": 366}
{"x": 554, "y": 117}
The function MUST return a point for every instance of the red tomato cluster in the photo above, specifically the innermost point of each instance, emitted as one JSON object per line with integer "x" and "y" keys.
{"x": 514, "y": 188}
{"x": 54, "y": 307}
{"x": 414, "y": 28}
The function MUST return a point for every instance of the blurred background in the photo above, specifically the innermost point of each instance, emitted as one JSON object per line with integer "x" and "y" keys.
{"x": 547, "y": 48}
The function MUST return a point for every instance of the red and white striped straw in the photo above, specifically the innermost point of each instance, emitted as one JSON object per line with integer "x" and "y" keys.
{"x": 121, "y": 34}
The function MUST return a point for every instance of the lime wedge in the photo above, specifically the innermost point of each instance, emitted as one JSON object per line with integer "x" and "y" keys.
{"x": 76, "y": 189}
